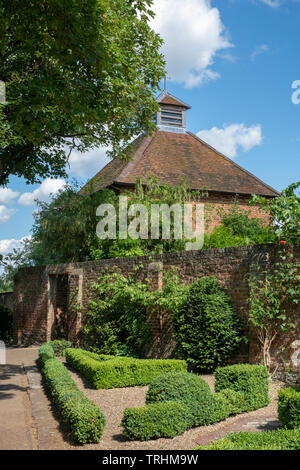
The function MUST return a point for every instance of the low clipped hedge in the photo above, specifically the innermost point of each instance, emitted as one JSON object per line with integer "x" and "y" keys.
{"x": 281, "y": 439}
{"x": 251, "y": 380}
{"x": 167, "y": 419}
{"x": 82, "y": 416}
{"x": 289, "y": 407}
{"x": 202, "y": 407}
{"x": 187, "y": 388}
{"x": 107, "y": 372}
{"x": 235, "y": 401}
{"x": 59, "y": 346}
{"x": 46, "y": 352}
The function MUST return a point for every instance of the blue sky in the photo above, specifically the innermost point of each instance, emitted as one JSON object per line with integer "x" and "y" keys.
{"x": 234, "y": 62}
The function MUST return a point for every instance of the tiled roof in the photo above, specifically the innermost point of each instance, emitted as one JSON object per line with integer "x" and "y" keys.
{"x": 166, "y": 98}
{"x": 176, "y": 157}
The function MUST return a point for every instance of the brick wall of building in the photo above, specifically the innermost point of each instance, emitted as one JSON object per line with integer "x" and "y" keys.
{"x": 36, "y": 299}
{"x": 216, "y": 205}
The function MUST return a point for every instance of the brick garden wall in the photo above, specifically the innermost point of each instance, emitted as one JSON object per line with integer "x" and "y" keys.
{"x": 44, "y": 294}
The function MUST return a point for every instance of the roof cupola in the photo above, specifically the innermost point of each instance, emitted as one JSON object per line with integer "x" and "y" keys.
{"x": 172, "y": 113}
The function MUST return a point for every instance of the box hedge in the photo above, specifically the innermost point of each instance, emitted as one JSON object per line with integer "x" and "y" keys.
{"x": 166, "y": 419}
{"x": 235, "y": 401}
{"x": 186, "y": 388}
{"x": 59, "y": 346}
{"x": 46, "y": 352}
{"x": 202, "y": 407}
{"x": 252, "y": 380}
{"x": 289, "y": 407}
{"x": 82, "y": 416}
{"x": 281, "y": 439}
{"x": 107, "y": 372}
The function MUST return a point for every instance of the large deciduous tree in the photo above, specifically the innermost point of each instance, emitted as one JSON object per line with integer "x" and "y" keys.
{"x": 78, "y": 74}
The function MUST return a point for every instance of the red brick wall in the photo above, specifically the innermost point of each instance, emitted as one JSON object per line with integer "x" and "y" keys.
{"x": 33, "y": 322}
{"x": 216, "y": 205}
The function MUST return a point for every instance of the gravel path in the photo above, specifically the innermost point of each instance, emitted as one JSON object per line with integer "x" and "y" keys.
{"x": 113, "y": 402}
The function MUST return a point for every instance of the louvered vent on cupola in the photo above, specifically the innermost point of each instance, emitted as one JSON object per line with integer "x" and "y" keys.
{"x": 171, "y": 115}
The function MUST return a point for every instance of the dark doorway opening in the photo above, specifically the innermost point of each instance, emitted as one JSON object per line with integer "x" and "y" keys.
{"x": 58, "y": 305}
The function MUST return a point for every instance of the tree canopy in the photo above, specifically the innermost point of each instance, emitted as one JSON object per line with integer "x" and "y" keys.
{"x": 284, "y": 213}
{"x": 78, "y": 74}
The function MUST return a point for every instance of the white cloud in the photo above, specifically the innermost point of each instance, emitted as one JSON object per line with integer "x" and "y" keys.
{"x": 231, "y": 137}
{"x": 5, "y": 213}
{"x": 43, "y": 192}
{"x": 7, "y": 195}
{"x": 193, "y": 34}
{"x": 272, "y": 3}
{"x": 89, "y": 163}
{"x": 7, "y": 246}
{"x": 259, "y": 50}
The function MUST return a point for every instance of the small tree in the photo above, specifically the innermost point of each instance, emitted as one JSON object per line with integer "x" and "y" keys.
{"x": 274, "y": 296}
{"x": 284, "y": 213}
{"x": 206, "y": 328}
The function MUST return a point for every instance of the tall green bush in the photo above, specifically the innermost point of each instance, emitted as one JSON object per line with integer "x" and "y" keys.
{"x": 207, "y": 330}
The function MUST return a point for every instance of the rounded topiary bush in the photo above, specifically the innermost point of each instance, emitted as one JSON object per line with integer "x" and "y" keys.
{"x": 186, "y": 388}
{"x": 206, "y": 328}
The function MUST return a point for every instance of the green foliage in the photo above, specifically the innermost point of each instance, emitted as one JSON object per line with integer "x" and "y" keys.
{"x": 289, "y": 407}
{"x": 59, "y": 346}
{"x": 186, "y": 388}
{"x": 284, "y": 213}
{"x": 11, "y": 262}
{"x": 235, "y": 401}
{"x": 280, "y": 439}
{"x": 6, "y": 324}
{"x": 118, "y": 313}
{"x": 46, "y": 352}
{"x": 274, "y": 297}
{"x": 252, "y": 380}
{"x": 107, "y": 372}
{"x": 82, "y": 416}
{"x": 65, "y": 227}
{"x": 77, "y": 75}
{"x": 206, "y": 328}
{"x": 237, "y": 229}
{"x": 248, "y": 390}
{"x": 167, "y": 419}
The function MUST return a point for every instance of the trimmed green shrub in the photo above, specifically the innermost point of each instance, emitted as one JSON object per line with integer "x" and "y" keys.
{"x": 206, "y": 328}
{"x": 46, "y": 352}
{"x": 83, "y": 417}
{"x": 252, "y": 380}
{"x": 221, "y": 409}
{"x": 235, "y": 400}
{"x": 186, "y": 388}
{"x": 104, "y": 372}
{"x": 280, "y": 439}
{"x": 167, "y": 419}
{"x": 59, "y": 346}
{"x": 289, "y": 407}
